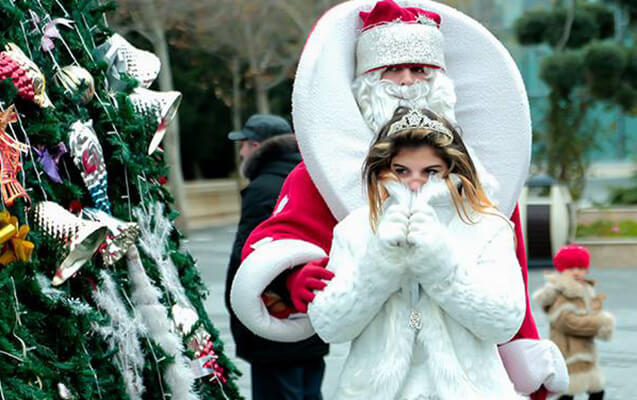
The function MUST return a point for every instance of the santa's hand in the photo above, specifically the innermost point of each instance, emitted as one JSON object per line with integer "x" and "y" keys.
{"x": 304, "y": 280}
{"x": 532, "y": 363}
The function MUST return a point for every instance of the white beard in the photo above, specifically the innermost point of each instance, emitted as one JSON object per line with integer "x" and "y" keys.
{"x": 378, "y": 98}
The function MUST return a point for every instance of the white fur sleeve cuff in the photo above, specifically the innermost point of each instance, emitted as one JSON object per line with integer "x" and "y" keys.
{"x": 608, "y": 326}
{"x": 532, "y": 363}
{"x": 256, "y": 272}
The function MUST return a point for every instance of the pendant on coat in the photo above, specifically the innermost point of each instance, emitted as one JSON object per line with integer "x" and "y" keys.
{"x": 415, "y": 322}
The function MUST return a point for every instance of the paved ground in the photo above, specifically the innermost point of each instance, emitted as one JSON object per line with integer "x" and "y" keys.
{"x": 212, "y": 246}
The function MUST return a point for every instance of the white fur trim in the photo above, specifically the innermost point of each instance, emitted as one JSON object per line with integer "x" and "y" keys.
{"x": 565, "y": 307}
{"x": 399, "y": 43}
{"x": 581, "y": 357}
{"x": 492, "y": 107}
{"x": 531, "y": 363}
{"x": 256, "y": 272}
{"x": 590, "y": 381}
{"x": 546, "y": 295}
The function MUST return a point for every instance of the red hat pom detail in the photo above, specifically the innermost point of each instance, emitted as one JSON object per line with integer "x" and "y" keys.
{"x": 388, "y": 11}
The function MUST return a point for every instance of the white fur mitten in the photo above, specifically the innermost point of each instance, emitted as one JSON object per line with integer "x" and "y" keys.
{"x": 387, "y": 249}
{"x": 432, "y": 258}
{"x": 607, "y": 326}
{"x": 392, "y": 226}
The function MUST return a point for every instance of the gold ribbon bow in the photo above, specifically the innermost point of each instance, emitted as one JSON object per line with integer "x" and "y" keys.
{"x": 15, "y": 247}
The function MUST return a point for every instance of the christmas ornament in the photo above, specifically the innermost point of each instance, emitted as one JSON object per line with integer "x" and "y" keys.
{"x": 26, "y": 76}
{"x": 122, "y": 336}
{"x": 76, "y": 80}
{"x": 15, "y": 247}
{"x": 51, "y": 32}
{"x": 75, "y": 207}
{"x": 10, "y": 150}
{"x": 119, "y": 238}
{"x": 205, "y": 363}
{"x": 88, "y": 157}
{"x": 49, "y": 159}
{"x": 78, "y": 238}
{"x": 162, "y": 105}
{"x": 145, "y": 297}
{"x": 124, "y": 58}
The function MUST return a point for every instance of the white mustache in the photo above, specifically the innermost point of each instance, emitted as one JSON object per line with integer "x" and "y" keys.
{"x": 414, "y": 92}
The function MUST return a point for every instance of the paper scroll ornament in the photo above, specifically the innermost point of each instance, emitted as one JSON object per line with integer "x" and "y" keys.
{"x": 26, "y": 76}
{"x": 78, "y": 238}
{"x": 124, "y": 58}
{"x": 162, "y": 105}
{"x": 88, "y": 156}
{"x": 120, "y": 236}
{"x": 11, "y": 163}
{"x": 76, "y": 80}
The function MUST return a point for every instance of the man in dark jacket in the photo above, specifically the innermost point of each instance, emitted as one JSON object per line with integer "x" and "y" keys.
{"x": 279, "y": 371}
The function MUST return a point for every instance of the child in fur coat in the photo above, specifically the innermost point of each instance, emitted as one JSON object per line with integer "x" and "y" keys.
{"x": 576, "y": 319}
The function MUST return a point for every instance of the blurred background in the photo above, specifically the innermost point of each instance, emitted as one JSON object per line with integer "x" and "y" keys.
{"x": 232, "y": 58}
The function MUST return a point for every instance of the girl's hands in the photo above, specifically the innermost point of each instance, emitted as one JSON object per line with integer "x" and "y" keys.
{"x": 392, "y": 228}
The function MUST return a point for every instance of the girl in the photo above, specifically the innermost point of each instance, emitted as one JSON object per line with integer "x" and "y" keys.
{"x": 427, "y": 282}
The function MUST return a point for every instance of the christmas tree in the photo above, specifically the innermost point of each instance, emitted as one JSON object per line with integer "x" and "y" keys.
{"x": 98, "y": 299}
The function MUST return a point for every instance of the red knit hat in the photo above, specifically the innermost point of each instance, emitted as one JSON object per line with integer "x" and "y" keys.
{"x": 572, "y": 256}
{"x": 395, "y": 35}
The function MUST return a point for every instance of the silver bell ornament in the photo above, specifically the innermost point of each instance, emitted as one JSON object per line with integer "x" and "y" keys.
{"x": 88, "y": 156}
{"x": 162, "y": 105}
{"x": 78, "y": 238}
{"x": 120, "y": 236}
{"x": 124, "y": 58}
{"x": 74, "y": 80}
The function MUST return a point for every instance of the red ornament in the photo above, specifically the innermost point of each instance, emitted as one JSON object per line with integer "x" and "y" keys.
{"x": 206, "y": 350}
{"x": 25, "y": 74}
{"x": 163, "y": 180}
{"x": 75, "y": 207}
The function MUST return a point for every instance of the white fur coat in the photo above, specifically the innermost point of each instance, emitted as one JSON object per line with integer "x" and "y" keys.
{"x": 473, "y": 300}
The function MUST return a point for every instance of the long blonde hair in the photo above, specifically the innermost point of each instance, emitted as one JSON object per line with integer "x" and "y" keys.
{"x": 377, "y": 165}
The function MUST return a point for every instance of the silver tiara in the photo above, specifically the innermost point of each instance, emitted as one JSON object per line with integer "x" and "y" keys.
{"x": 415, "y": 119}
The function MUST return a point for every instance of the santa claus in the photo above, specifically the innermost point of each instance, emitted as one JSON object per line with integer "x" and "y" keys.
{"x": 362, "y": 61}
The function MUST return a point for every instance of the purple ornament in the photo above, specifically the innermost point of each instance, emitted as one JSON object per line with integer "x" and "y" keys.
{"x": 49, "y": 159}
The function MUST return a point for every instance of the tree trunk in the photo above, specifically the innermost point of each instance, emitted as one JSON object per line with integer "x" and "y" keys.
{"x": 260, "y": 87}
{"x": 235, "y": 67}
{"x": 171, "y": 140}
{"x": 263, "y": 102}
